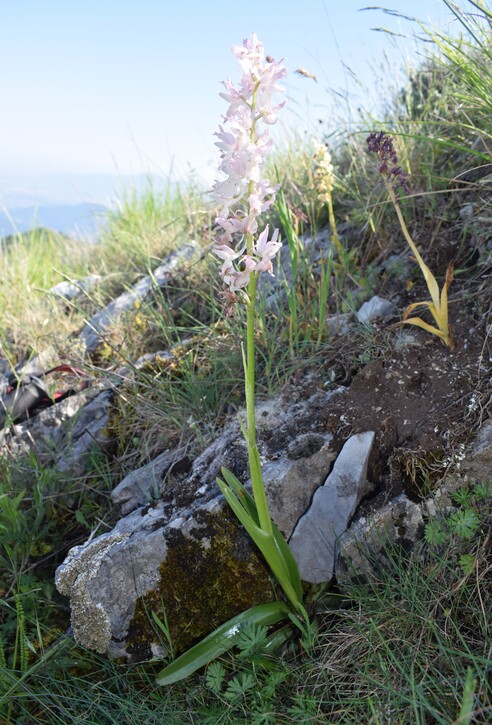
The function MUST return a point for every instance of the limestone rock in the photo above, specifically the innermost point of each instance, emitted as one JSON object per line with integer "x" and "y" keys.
{"x": 290, "y": 484}
{"x": 314, "y": 540}
{"x": 479, "y": 462}
{"x": 187, "y": 553}
{"x": 197, "y": 565}
{"x": 375, "y": 308}
{"x": 363, "y": 548}
{"x": 279, "y": 425}
{"x": 90, "y": 622}
{"x": 339, "y": 324}
{"x": 69, "y": 291}
{"x": 91, "y": 334}
{"x": 51, "y": 428}
{"x": 143, "y": 485}
{"x": 87, "y": 430}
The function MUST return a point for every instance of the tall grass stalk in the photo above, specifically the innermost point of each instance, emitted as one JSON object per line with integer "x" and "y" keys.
{"x": 326, "y": 270}
{"x": 295, "y": 251}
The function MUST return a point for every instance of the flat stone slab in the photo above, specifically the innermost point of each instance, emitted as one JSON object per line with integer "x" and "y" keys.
{"x": 314, "y": 541}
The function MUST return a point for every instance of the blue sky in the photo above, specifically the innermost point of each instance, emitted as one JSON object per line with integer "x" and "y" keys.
{"x": 131, "y": 86}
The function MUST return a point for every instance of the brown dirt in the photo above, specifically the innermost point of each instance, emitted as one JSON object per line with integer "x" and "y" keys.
{"x": 424, "y": 402}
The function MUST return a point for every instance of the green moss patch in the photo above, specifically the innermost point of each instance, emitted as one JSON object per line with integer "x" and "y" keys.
{"x": 207, "y": 578}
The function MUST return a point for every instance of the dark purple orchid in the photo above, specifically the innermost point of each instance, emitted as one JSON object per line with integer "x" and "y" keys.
{"x": 382, "y": 145}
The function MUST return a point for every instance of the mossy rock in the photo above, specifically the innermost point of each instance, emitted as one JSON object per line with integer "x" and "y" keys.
{"x": 207, "y": 578}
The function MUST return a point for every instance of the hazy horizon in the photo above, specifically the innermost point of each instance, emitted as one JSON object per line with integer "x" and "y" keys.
{"x": 101, "y": 97}
{"x": 18, "y": 190}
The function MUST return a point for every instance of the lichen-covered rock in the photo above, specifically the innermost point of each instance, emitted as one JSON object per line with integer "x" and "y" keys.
{"x": 90, "y": 621}
{"x": 197, "y": 566}
{"x": 363, "y": 548}
{"x": 212, "y": 571}
{"x": 187, "y": 555}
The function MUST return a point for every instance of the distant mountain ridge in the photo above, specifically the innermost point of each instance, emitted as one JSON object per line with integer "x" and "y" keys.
{"x": 83, "y": 221}
{"x": 74, "y": 204}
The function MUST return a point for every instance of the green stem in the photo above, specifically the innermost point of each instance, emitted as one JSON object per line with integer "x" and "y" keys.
{"x": 334, "y": 230}
{"x": 259, "y": 494}
{"x": 326, "y": 268}
{"x": 249, "y": 373}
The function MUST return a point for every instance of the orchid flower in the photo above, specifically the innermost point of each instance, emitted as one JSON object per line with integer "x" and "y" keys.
{"x": 243, "y": 142}
{"x": 243, "y": 196}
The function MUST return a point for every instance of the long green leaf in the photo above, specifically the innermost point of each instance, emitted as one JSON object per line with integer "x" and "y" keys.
{"x": 277, "y": 638}
{"x": 262, "y": 539}
{"x": 243, "y": 495}
{"x": 265, "y": 542}
{"x": 221, "y": 640}
{"x": 259, "y": 493}
{"x": 286, "y": 554}
{"x": 289, "y": 560}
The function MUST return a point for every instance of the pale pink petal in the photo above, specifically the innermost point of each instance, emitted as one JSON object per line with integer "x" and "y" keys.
{"x": 243, "y": 142}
